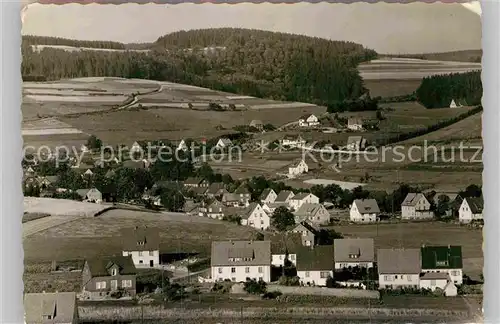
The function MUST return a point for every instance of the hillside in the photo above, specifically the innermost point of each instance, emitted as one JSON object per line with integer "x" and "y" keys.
{"x": 454, "y": 56}
{"x": 250, "y": 62}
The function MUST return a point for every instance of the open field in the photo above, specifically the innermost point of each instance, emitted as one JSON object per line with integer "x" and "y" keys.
{"x": 391, "y": 87}
{"x": 90, "y": 237}
{"x": 413, "y": 235}
{"x": 57, "y": 207}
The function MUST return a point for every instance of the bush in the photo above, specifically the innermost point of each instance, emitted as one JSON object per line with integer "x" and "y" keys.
{"x": 220, "y": 288}
{"x": 272, "y": 294}
{"x": 289, "y": 281}
{"x": 255, "y": 287}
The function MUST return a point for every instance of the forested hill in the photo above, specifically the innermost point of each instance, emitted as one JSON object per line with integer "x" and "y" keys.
{"x": 250, "y": 62}
{"x": 45, "y": 40}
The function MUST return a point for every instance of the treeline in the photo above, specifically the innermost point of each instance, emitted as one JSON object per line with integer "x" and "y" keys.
{"x": 437, "y": 91}
{"x": 249, "y": 62}
{"x": 473, "y": 56}
{"x": 46, "y": 40}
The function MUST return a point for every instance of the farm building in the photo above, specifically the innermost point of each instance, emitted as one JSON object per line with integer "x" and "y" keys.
{"x": 398, "y": 268}
{"x": 292, "y": 141}
{"x": 239, "y": 260}
{"x": 308, "y": 120}
{"x": 196, "y": 182}
{"x": 54, "y": 308}
{"x": 471, "y": 209}
{"x": 143, "y": 244}
{"x": 364, "y": 211}
{"x": 315, "y": 266}
{"x": 354, "y": 252}
{"x": 416, "y": 206}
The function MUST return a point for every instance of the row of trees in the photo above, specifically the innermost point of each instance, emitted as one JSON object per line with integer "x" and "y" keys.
{"x": 46, "y": 40}
{"x": 437, "y": 91}
{"x": 251, "y": 62}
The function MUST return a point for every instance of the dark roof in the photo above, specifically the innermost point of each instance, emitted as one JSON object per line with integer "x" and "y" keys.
{"x": 61, "y": 306}
{"x": 193, "y": 181}
{"x": 283, "y": 195}
{"x": 363, "y": 248}
{"x": 320, "y": 258}
{"x": 398, "y": 261}
{"x": 311, "y": 228}
{"x": 140, "y": 239}
{"x": 301, "y": 195}
{"x": 199, "y": 190}
{"x": 258, "y": 252}
{"x": 412, "y": 199}
{"x": 134, "y": 164}
{"x": 367, "y": 206}
{"x": 476, "y": 204}
{"x": 282, "y": 243}
{"x": 265, "y": 193}
{"x": 306, "y": 116}
{"x": 441, "y": 257}
{"x": 242, "y": 190}
{"x": 99, "y": 267}
{"x": 215, "y": 187}
{"x": 434, "y": 276}
{"x": 249, "y": 210}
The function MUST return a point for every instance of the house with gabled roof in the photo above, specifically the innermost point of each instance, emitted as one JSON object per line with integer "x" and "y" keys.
{"x": 471, "y": 209}
{"x": 364, "y": 211}
{"x": 284, "y": 196}
{"x": 309, "y": 233}
{"x": 354, "y": 252}
{"x": 230, "y": 199}
{"x": 255, "y": 217}
{"x": 416, "y": 206}
{"x": 224, "y": 142}
{"x": 142, "y": 244}
{"x": 256, "y": 123}
{"x": 308, "y": 120}
{"x": 315, "y": 266}
{"x": 135, "y": 148}
{"x": 90, "y": 195}
{"x": 313, "y": 213}
{"x": 355, "y": 124}
{"x": 181, "y": 146}
{"x": 103, "y": 276}
{"x": 298, "y": 168}
{"x": 302, "y": 198}
{"x": 215, "y": 189}
{"x": 268, "y": 196}
{"x": 239, "y": 260}
{"x": 243, "y": 194}
{"x": 441, "y": 280}
{"x": 443, "y": 259}
{"x": 284, "y": 246}
{"x": 195, "y": 182}
{"x": 292, "y": 141}
{"x": 399, "y": 268}
{"x": 54, "y": 308}
{"x": 215, "y": 210}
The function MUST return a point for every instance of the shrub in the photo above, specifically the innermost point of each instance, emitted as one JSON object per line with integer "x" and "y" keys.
{"x": 255, "y": 287}
{"x": 289, "y": 281}
{"x": 272, "y": 294}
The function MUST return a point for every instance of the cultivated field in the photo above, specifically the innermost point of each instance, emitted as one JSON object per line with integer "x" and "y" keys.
{"x": 61, "y": 207}
{"x": 99, "y": 236}
{"x": 413, "y": 235}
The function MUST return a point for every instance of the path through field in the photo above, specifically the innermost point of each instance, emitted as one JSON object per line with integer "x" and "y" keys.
{"x": 42, "y": 224}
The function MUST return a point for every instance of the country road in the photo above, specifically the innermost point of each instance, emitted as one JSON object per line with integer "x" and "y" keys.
{"x": 138, "y": 96}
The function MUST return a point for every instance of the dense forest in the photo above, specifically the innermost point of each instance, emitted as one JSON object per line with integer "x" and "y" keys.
{"x": 473, "y": 56}
{"x": 437, "y": 91}
{"x": 250, "y": 62}
{"x": 45, "y": 40}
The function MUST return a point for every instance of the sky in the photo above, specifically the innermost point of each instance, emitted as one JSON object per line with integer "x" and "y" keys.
{"x": 386, "y": 28}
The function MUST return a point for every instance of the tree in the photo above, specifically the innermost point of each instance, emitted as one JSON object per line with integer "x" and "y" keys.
{"x": 443, "y": 205}
{"x": 94, "y": 143}
{"x": 172, "y": 200}
{"x": 255, "y": 287}
{"x": 472, "y": 191}
{"x": 282, "y": 218}
{"x": 32, "y": 191}
{"x": 326, "y": 237}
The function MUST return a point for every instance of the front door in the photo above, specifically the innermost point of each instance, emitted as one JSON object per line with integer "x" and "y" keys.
{"x": 151, "y": 263}
{"x": 114, "y": 284}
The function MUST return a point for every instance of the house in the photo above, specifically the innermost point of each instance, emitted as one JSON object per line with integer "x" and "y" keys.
{"x": 471, "y": 209}
{"x": 103, "y": 276}
{"x": 239, "y": 260}
{"x": 313, "y": 213}
{"x": 308, "y": 120}
{"x": 268, "y": 196}
{"x": 243, "y": 194}
{"x": 284, "y": 246}
{"x": 48, "y": 181}
{"x": 298, "y": 168}
{"x": 54, "y": 308}
{"x": 182, "y": 146}
{"x": 356, "y": 143}
{"x": 399, "y": 268}
{"x": 257, "y": 124}
{"x": 416, "y": 206}
{"x": 292, "y": 141}
{"x": 354, "y": 252}
{"x": 215, "y": 210}
{"x": 433, "y": 281}
{"x": 364, "y": 211}
{"x": 29, "y": 171}
{"x": 256, "y": 217}
{"x": 355, "y": 124}
{"x": 196, "y": 182}
{"x": 284, "y": 196}
{"x": 90, "y": 195}
{"x": 143, "y": 244}
{"x": 198, "y": 191}
{"x": 308, "y": 233}
{"x": 302, "y": 198}
{"x": 84, "y": 148}
{"x": 271, "y": 207}
{"x": 443, "y": 259}
{"x": 223, "y": 143}
{"x": 88, "y": 173}
{"x": 136, "y": 148}
{"x": 215, "y": 189}
{"x": 230, "y": 199}
{"x": 315, "y": 266}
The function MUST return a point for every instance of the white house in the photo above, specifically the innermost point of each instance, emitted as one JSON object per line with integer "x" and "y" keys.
{"x": 90, "y": 195}
{"x": 268, "y": 196}
{"x": 88, "y": 173}
{"x": 356, "y": 143}
{"x": 314, "y": 266}
{"x": 284, "y": 246}
{"x": 354, "y": 252}
{"x": 416, "y": 206}
{"x": 364, "y": 211}
{"x": 471, "y": 209}
{"x": 308, "y": 233}
{"x": 398, "y": 268}
{"x": 143, "y": 244}
{"x": 239, "y": 260}
{"x": 256, "y": 217}
{"x": 303, "y": 198}
{"x": 136, "y": 148}
{"x": 215, "y": 210}
{"x": 182, "y": 146}
{"x": 223, "y": 143}
{"x": 292, "y": 141}
{"x": 313, "y": 213}
{"x": 298, "y": 168}
{"x": 442, "y": 281}
{"x": 443, "y": 259}
{"x": 308, "y": 120}
{"x": 355, "y": 124}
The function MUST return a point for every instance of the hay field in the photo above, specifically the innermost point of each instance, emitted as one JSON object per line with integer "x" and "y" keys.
{"x": 61, "y": 207}
{"x": 90, "y": 237}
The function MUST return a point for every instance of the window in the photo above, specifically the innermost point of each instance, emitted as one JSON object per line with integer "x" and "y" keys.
{"x": 396, "y": 277}
{"x": 220, "y": 270}
{"x": 281, "y": 257}
{"x": 324, "y": 274}
{"x": 387, "y": 278}
{"x": 151, "y": 253}
{"x": 455, "y": 273}
{"x": 292, "y": 257}
{"x": 261, "y": 270}
{"x": 100, "y": 285}
{"x": 247, "y": 269}
{"x": 141, "y": 262}
{"x": 126, "y": 283}
{"x": 433, "y": 282}
{"x": 409, "y": 277}
{"x": 307, "y": 274}
{"x": 113, "y": 272}
{"x": 140, "y": 253}
{"x": 233, "y": 270}
{"x": 262, "y": 222}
